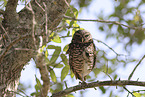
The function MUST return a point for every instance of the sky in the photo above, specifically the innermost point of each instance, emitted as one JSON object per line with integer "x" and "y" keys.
{"x": 28, "y": 75}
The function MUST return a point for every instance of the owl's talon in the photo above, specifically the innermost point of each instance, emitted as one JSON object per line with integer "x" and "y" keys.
{"x": 83, "y": 83}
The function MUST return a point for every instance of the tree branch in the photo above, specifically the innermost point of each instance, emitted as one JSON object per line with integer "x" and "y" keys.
{"x": 130, "y": 76}
{"x": 128, "y": 91}
{"x": 10, "y": 15}
{"x": 103, "y": 21}
{"x": 109, "y": 47}
{"x": 97, "y": 84}
{"x": 40, "y": 63}
{"x": 11, "y": 5}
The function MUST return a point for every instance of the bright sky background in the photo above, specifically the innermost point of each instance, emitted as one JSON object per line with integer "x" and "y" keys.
{"x": 28, "y": 75}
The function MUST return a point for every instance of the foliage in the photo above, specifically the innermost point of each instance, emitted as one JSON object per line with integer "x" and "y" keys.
{"x": 121, "y": 12}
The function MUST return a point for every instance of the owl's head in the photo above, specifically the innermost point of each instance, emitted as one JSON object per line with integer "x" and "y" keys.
{"x": 82, "y": 36}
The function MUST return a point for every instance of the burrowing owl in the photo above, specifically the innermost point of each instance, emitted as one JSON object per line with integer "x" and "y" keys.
{"x": 82, "y": 54}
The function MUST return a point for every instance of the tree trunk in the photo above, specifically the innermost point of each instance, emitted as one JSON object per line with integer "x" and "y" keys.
{"x": 19, "y": 40}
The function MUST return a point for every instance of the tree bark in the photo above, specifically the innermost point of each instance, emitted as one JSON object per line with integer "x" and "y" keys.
{"x": 19, "y": 40}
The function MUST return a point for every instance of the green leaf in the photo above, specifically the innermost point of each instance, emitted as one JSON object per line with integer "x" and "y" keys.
{"x": 96, "y": 71}
{"x": 76, "y": 25}
{"x": 75, "y": 11}
{"x": 56, "y": 39}
{"x": 115, "y": 77}
{"x": 110, "y": 94}
{"x": 64, "y": 72}
{"x": 55, "y": 54}
{"x": 71, "y": 23}
{"x": 38, "y": 84}
{"x": 51, "y": 47}
{"x": 42, "y": 48}
{"x": 52, "y": 75}
{"x": 65, "y": 48}
{"x": 73, "y": 32}
{"x": 102, "y": 89}
{"x": 64, "y": 59}
{"x": 72, "y": 12}
{"x": 136, "y": 94}
{"x": 68, "y": 33}
{"x": 38, "y": 81}
{"x": 46, "y": 53}
{"x": 33, "y": 94}
{"x": 59, "y": 66}
{"x": 68, "y": 21}
{"x": 71, "y": 74}
{"x": 70, "y": 95}
{"x": 69, "y": 13}
{"x": 47, "y": 60}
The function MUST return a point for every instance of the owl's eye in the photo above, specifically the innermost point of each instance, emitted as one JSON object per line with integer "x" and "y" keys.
{"x": 77, "y": 35}
{"x": 86, "y": 35}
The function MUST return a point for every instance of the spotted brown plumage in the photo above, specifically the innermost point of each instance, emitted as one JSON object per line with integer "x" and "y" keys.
{"x": 82, "y": 54}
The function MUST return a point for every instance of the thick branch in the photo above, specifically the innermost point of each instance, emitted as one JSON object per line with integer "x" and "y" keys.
{"x": 98, "y": 84}
{"x": 11, "y": 5}
{"x": 16, "y": 26}
{"x": 10, "y": 15}
{"x": 40, "y": 63}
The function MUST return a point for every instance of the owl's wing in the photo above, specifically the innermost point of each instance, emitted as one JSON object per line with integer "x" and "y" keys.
{"x": 90, "y": 53}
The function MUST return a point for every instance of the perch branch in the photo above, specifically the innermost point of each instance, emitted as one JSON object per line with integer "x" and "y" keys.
{"x": 97, "y": 84}
{"x": 103, "y": 21}
{"x": 130, "y": 76}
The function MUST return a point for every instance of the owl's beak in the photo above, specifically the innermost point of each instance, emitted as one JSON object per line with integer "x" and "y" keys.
{"x": 82, "y": 39}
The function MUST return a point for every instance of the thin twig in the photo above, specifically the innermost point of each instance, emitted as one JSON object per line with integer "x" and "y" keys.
{"x": 33, "y": 23}
{"x": 130, "y": 76}
{"x": 128, "y": 91}
{"x": 9, "y": 39}
{"x": 104, "y": 21}
{"x": 108, "y": 75}
{"x": 46, "y": 25}
{"x": 138, "y": 91}
{"x": 106, "y": 72}
{"x": 24, "y": 49}
{"x": 39, "y": 5}
{"x": 109, "y": 47}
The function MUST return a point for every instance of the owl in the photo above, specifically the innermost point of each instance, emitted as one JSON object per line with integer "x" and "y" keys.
{"x": 82, "y": 54}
